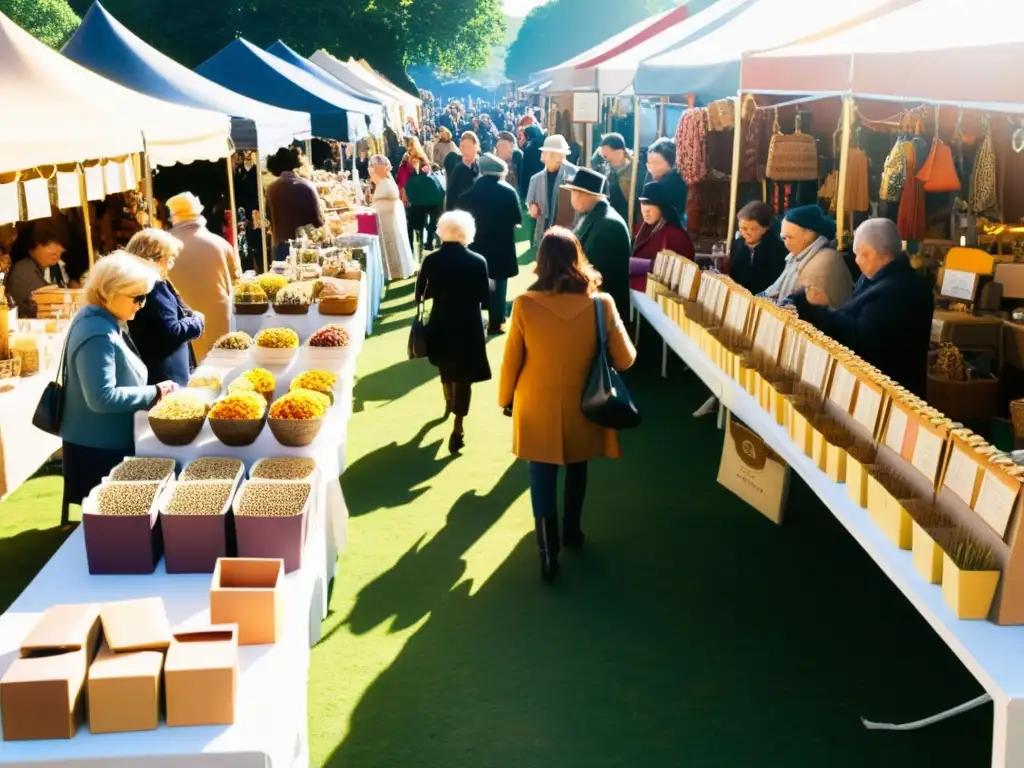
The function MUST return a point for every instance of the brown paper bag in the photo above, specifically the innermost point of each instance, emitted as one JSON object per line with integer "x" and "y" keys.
{"x": 753, "y": 471}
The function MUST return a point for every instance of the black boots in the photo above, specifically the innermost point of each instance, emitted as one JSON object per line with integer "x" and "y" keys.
{"x": 572, "y": 534}
{"x": 547, "y": 545}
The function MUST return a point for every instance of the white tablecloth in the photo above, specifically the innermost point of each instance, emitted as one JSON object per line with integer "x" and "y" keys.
{"x": 270, "y": 729}
{"x": 357, "y": 325}
{"x": 23, "y": 448}
{"x": 374, "y": 271}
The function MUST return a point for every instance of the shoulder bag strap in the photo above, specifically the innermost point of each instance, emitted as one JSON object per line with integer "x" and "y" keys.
{"x": 602, "y": 333}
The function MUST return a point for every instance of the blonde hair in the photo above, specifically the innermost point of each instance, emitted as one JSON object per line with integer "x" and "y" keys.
{"x": 154, "y": 245}
{"x": 456, "y": 227}
{"x": 416, "y": 152}
{"x": 119, "y": 274}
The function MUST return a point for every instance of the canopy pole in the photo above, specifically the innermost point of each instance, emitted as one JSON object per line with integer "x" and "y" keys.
{"x": 150, "y": 201}
{"x": 85, "y": 217}
{"x": 734, "y": 179}
{"x": 636, "y": 162}
{"x": 263, "y": 209}
{"x": 844, "y": 157}
{"x": 231, "y": 199}
{"x": 309, "y": 153}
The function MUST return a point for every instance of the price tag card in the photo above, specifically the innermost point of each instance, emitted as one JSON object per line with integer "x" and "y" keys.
{"x": 996, "y": 500}
{"x": 927, "y": 452}
{"x": 896, "y": 430}
{"x": 844, "y": 385}
{"x": 869, "y": 403}
{"x": 962, "y": 474}
{"x": 37, "y": 199}
{"x": 686, "y": 281}
{"x": 68, "y": 193}
{"x": 815, "y": 368}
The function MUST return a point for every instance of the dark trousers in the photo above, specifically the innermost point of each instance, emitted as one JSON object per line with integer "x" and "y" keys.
{"x": 422, "y": 221}
{"x": 496, "y": 311}
{"x": 457, "y": 394}
{"x": 544, "y": 491}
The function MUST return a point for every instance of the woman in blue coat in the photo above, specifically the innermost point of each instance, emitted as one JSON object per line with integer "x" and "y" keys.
{"x": 164, "y": 328}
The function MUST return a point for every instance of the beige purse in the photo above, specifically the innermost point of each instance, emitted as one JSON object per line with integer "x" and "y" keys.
{"x": 983, "y": 196}
{"x": 792, "y": 157}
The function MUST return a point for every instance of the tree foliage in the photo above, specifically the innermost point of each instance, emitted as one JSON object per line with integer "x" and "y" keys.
{"x": 561, "y": 29}
{"x": 52, "y": 21}
{"x": 455, "y": 36}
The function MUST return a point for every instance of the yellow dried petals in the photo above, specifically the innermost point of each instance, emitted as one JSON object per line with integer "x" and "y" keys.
{"x": 249, "y": 293}
{"x": 300, "y": 405}
{"x": 271, "y": 284}
{"x": 237, "y": 406}
{"x": 179, "y": 406}
{"x": 205, "y": 382}
{"x": 238, "y": 341}
{"x": 318, "y": 381}
{"x": 261, "y": 379}
{"x": 277, "y": 338}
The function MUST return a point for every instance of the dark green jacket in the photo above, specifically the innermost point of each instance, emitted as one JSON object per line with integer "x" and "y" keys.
{"x": 424, "y": 189}
{"x": 605, "y": 240}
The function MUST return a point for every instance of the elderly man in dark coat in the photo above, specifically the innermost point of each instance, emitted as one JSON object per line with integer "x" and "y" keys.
{"x": 603, "y": 234}
{"x": 495, "y": 207}
{"x": 888, "y": 319}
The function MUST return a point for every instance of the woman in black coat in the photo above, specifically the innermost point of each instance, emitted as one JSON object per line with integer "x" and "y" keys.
{"x": 494, "y": 205}
{"x": 164, "y": 327}
{"x": 456, "y": 279}
{"x": 532, "y": 162}
{"x": 758, "y": 256}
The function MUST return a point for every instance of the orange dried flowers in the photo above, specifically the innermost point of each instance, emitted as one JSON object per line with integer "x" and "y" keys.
{"x": 238, "y": 406}
{"x": 262, "y": 381}
{"x": 300, "y": 405}
{"x": 317, "y": 381}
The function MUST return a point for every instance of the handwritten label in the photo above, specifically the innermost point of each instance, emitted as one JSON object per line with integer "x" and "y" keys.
{"x": 957, "y": 284}
{"x": 995, "y": 502}
{"x": 927, "y": 453}
{"x": 896, "y": 430}
{"x": 961, "y": 474}
{"x": 842, "y": 389}
{"x": 865, "y": 412}
{"x": 815, "y": 368}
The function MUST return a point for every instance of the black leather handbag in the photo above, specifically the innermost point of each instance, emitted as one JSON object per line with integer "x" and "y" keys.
{"x": 418, "y": 335}
{"x": 606, "y": 401}
{"x": 50, "y": 408}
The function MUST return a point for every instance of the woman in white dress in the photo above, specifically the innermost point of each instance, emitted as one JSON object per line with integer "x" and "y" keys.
{"x": 399, "y": 263}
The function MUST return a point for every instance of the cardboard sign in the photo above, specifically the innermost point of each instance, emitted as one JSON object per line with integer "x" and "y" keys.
{"x": 37, "y": 199}
{"x": 843, "y": 389}
{"x": 94, "y": 189}
{"x": 896, "y": 431}
{"x": 689, "y": 275}
{"x": 926, "y": 455}
{"x": 674, "y": 273}
{"x": 753, "y": 471}
{"x": 68, "y": 192}
{"x": 962, "y": 474}
{"x": 959, "y": 285}
{"x": 816, "y": 363}
{"x": 739, "y": 311}
{"x": 996, "y": 500}
{"x": 868, "y": 406}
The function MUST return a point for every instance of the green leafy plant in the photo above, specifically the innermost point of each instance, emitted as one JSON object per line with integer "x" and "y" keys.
{"x": 52, "y": 21}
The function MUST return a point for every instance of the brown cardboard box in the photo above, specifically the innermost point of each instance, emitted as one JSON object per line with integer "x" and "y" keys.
{"x": 124, "y": 691}
{"x": 136, "y": 625}
{"x": 201, "y": 676}
{"x": 249, "y": 592}
{"x": 41, "y": 692}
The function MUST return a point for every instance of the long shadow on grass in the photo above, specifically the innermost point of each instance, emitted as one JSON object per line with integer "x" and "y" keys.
{"x": 690, "y": 632}
{"x": 393, "y": 382}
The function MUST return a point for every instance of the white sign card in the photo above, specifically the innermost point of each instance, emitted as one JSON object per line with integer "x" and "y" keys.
{"x": 686, "y": 282}
{"x": 68, "y": 193}
{"x": 736, "y": 314}
{"x": 675, "y": 273}
{"x": 896, "y": 430}
{"x": 37, "y": 199}
{"x": 961, "y": 474}
{"x": 869, "y": 403}
{"x": 844, "y": 384}
{"x": 816, "y": 359}
{"x": 957, "y": 284}
{"x": 9, "y": 210}
{"x": 113, "y": 180}
{"x": 721, "y": 299}
{"x": 586, "y": 107}
{"x": 995, "y": 502}
{"x": 94, "y": 183}
{"x": 927, "y": 453}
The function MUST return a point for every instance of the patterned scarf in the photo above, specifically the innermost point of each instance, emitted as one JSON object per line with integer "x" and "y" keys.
{"x": 786, "y": 285}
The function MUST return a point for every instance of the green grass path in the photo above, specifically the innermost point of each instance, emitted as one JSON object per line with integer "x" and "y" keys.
{"x": 690, "y": 632}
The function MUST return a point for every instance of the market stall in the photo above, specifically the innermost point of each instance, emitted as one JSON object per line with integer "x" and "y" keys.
{"x": 363, "y": 82}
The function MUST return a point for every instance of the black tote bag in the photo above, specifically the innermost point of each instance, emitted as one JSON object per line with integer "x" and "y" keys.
{"x": 50, "y": 408}
{"x": 418, "y": 335}
{"x": 606, "y": 401}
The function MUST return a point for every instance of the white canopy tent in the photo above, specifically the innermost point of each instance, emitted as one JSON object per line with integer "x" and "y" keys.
{"x": 404, "y": 98}
{"x": 359, "y": 80}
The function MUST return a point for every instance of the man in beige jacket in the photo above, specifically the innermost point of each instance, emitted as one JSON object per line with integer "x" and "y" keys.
{"x": 205, "y": 270}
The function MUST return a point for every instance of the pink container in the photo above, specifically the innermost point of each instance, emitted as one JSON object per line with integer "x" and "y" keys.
{"x": 366, "y": 224}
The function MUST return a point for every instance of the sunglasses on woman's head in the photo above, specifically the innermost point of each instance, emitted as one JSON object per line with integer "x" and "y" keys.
{"x": 139, "y": 300}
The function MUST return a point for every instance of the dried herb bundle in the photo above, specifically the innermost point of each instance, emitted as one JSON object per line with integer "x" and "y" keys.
{"x": 892, "y": 482}
{"x": 861, "y": 451}
{"x": 927, "y": 515}
{"x": 966, "y": 551}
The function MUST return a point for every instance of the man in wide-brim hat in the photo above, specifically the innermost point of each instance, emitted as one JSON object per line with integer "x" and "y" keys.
{"x": 545, "y": 205}
{"x": 603, "y": 234}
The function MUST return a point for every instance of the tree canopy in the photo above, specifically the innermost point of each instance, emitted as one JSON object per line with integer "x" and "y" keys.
{"x": 454, "y": 36}
{"x": 561, "y": 29}
{"x": 52, "y": 21}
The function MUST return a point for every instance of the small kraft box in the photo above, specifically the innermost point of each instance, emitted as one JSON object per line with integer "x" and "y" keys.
{"x": 249, "y": 592}
{"x": 201, "y": 676}
{"x": 136, "y": 625}
{"x": 41, "y": 692}
{"x": 123, "y": 544}
{"x": 124, "y": 691}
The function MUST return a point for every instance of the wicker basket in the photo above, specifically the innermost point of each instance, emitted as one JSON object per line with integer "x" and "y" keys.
{"x": 291, "y": 309}
{"x": 295, "y": 433}
{"x": 237, "y": 433}
{"x": 176, "y": 431}
{"x": 11, "y": 368}
{"x": 339, "y": 305}
{"x": 252, "y": 309}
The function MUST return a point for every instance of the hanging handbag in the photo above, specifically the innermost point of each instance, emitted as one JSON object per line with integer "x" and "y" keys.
{"x": 793, "y": 157}
{"x": 606, "y": 401}
{"x": 983, "y": 197}
{"x": 50, "y": 408}
{"x": 938, "y": 172}
{"x": 894, "y": 173}
{"x": 418, "y": 334}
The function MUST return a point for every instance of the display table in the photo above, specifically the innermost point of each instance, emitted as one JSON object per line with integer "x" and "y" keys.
{"x": 991, "y": 653}
{"x": 357, "y": 325}
{"x": 270, "y": 729}
{"x": 23, "y": 448}
{"x": 374, "y": 270}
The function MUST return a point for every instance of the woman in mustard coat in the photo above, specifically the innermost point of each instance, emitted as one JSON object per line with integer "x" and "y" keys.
{"x": 551, "y": 346}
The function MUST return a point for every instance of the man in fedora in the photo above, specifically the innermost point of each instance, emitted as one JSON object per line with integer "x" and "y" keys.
{"x": 544, "y": 201}
{"x": 603, "y": 234}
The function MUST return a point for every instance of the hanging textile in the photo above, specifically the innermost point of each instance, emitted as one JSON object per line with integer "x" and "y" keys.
{"x": 911, "y": 216}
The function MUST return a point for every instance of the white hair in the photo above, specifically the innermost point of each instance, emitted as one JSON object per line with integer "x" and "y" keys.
{"x": 154, "y": 245}
{"x": 456, "y": 227}
{"x": 881, "y": 235}
{"x": 119, "y": 274}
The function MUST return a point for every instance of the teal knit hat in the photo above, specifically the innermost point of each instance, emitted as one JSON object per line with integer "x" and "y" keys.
{"x": 810, "y": 217}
